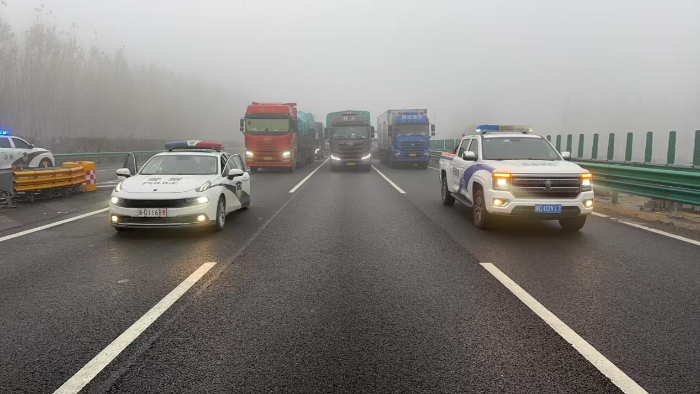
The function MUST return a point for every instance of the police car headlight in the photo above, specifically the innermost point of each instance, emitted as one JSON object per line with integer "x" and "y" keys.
{"x": 197, "y": 200}
{"x": 116, "y": 200}
{"x": 204, "y": 187}
{"x": 286, "y": 154}
{"x": 249, "y": 154}
{"x": 501, "y": 181}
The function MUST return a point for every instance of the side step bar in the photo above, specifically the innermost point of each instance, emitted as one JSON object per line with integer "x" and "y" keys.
{"x": 461, "y": 199}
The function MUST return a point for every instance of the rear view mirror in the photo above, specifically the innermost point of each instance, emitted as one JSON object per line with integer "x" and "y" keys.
{"x": 123, "y": 173}
{"x": 432, "y": 129}
{"x": 234, "y": 173}
{"x": 242, "y": 125}
{"x": 566, "y": 155}
{"x": 469, "y": 155}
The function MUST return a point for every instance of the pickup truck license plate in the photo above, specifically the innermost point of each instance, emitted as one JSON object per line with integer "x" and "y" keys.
{"x": 153, "y": 212}
{"x": 547, "y": 208}
{"x": 351, "y": 164}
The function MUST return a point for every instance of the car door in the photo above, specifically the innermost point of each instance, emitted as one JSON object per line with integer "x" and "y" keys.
{"x": 469, "y": 168}
{"x": 7, "y": 153}
{"x": 457, "y": 166}
{"x": 243, "y": 182}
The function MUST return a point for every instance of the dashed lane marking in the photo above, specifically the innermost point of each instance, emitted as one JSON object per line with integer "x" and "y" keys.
{"x": 99, "y": 362}
{"x": 389, "y": 180}
{"x": 295, "y": 188}
{"x": 615, "y": 374}
{"x": 54, "y": 224}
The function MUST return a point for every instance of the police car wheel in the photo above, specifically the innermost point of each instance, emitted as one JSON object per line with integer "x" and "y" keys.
{"x": 447, "y": 198}
{"x": 220, "y": 215}
{"x": 479, "y": 213}
{"x": 45, "y": 163}
{"x": 573, "y": 224}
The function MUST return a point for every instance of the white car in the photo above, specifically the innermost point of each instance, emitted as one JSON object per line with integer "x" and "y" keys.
{"x": 507, "y": 171}
{"x": 192, "y": 184}
{"x": 16, "y": 153}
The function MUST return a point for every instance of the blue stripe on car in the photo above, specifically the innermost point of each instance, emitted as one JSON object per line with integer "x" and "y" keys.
{"x": 470, "y": 172}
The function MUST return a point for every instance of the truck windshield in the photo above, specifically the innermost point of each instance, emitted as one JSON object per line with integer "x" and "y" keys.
{"x": 267, "y": 126}
{"x": 351, "y": 132}
{"x": 180, "y": 165}
{"x": 413, "y": 129}
{"x": 518, "y": 148}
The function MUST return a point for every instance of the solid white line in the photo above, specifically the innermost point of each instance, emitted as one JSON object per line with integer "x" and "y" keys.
{"x": 308, "y": 176}
{"x": 389, "y": 180}
{"x": 97, "y": 364}
{"x": 599, "y": 215}
{"x": 433, "y": 168}
{"x": 619, "y": 378}
{"x": 664, "y": 233}
{"x": 108, "y": 183}
{"x": 54, "y": 224}
{"x": 107, "y": 186}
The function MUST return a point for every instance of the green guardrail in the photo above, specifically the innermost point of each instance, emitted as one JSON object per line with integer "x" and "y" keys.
{"x": 88, "y": 155}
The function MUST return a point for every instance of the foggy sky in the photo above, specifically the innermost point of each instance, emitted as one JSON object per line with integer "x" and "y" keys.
{"x": 564, "y": 67}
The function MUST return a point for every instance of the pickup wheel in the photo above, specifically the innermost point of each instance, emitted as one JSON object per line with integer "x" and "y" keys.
{"x": 447, "y": 198}
{"x": 573, "y": 224}
{"x": 479, "y": 213}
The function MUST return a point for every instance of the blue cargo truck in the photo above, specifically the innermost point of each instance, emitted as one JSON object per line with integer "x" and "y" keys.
{"x": 403, "y": 137}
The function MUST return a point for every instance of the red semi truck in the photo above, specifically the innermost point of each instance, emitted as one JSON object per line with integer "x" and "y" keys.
{"x": 272, "y": 137}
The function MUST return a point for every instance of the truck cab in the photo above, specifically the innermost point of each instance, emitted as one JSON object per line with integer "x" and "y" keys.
{"x": 350, "y": 139}
{"x": 508, "y": 171}
{"x": 271, "y": 137}
{"x": 404, "y": 137}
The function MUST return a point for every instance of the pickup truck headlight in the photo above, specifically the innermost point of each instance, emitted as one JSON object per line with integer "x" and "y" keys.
{"x": 286, "y": 154}
{"x": 586, "y": 182}
{"x": 501, "y": 181}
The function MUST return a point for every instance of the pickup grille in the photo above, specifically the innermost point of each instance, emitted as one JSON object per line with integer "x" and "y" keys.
{"x": 545, "y": 187}
{"x": 413, "y": 146}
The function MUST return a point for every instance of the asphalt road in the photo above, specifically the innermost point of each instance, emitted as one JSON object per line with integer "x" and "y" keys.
{"x": 345, "y": 285}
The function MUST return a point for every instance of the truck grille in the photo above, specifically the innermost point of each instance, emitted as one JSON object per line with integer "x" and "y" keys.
{"x": 413, "y": 146}
{"x": 545, "y": 187}
{"x": 355, "y": 148}
{"x": 153, "y": 203}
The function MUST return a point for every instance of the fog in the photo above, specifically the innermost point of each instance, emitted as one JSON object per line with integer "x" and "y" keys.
{"x": 595, "y": 66}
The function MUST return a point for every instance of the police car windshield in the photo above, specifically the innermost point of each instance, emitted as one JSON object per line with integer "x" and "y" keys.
{"x": 518, "y": 148}
{"x": 180, "y": 165}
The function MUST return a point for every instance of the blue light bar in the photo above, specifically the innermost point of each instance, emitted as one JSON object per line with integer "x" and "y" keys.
{"x": 5, "y": 132}
{"x": 488, "y": 128}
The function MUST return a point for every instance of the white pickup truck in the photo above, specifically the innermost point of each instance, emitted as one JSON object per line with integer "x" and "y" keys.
{"x": 508, "y": 171}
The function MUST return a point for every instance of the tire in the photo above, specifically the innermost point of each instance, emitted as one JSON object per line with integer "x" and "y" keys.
{"x": 293, "y": 168}
{"x": 447, "y": 198}
{"x": 573, "y": 224}
{"x": 479, "y": 212}
{"x": 220, "y": 215}
{"x": 45, "y": 163}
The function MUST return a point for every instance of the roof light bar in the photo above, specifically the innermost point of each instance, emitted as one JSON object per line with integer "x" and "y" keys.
{"x": 490, "y": 128}
{"x": 5, "y": 132}
{"x": 194, "y": 144}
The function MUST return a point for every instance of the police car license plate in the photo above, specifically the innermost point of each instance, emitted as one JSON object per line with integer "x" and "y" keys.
{"x": 548, "y": 208}
{"x": 412, "y": 155}
{"x": 153, "y": 212}
{"x": 351, "y": 164}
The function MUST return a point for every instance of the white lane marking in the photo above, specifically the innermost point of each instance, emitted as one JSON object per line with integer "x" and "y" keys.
{"x": 107, "y": 186}
{"x": 99, "y": 362}
{"x": 308, "y": 176}
{"x": 599, "y": 215}
{"x": 433, "y": 168}
{"x": 619, "y": 378}
{"x": 108, "y": 169}
{"x": 664, "y": 233}
{"x": 389, "y": 180}
{"x": 54, "y": 224}
{"x": 108, "y": 183}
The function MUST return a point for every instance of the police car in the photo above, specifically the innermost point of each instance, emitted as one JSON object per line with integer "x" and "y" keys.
{"x": 16, "y": 153}
{"x": 508, "y": 171}
{"x": 193, "y": 184}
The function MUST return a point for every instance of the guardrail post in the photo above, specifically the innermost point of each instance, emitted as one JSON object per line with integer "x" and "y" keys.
{"x": 671, "y": 155}
{"x": 696, "y": 153}
{"x": 615, "y": 197}
{"x": 569, "y": 142}
{"x": 647, "y": 149}
{"x": 594, "y": 150}
{"x": 558, "y": 143}
{"x": 580, "y": 146}
{"x": 611, "y": 146}
{"x": 628, "y": 147}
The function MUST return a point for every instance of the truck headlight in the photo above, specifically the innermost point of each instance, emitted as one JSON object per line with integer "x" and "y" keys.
{"x": 197, "y": 200}
{"x": 334, "y": 157}
{"x": 249, "y": 154}
{"x": 426, "y": 153}
{"x": 366, "y": 157}
{"x": 501, "y": 181}
{"x": 316, "y": 151}
{"x": 397, "y": 154}
{"x": 586, "y": 183}
{"x": 286, "y": 154}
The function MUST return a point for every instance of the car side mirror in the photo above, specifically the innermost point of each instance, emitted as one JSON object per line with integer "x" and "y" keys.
{"x": 235, "y": 172}
{"x": 432, "y": 128}
{"x": 566, "y": 155}
{"x": 242, "y": 125}
{"x": 469, "y": 156}
{"x": 123, "y": 173}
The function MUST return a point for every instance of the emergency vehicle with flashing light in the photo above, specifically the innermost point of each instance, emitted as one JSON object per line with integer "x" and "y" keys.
{"x": 16, "y": 153}
{"x": 192, "y": 184}
{"x": 508, "y": 171}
